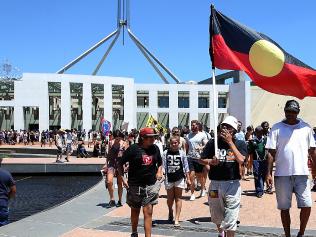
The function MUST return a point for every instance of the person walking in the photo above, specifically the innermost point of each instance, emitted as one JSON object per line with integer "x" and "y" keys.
{"x": 60, "y": 144}
{"x": 258, "y": 154}
{"x": 289, "y": 144}
{"x": 7, "y": 192}
{"x": 68, "y": 140}
{"x": 176, "y": 168}
{"x": 224, "y": 190}
{"x": 144, "y": 178}
{"x": 116, "y": 149}
{"x": 195, "y": 142}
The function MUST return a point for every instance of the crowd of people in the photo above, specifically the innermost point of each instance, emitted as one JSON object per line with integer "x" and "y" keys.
{"x": 184, "y": 158}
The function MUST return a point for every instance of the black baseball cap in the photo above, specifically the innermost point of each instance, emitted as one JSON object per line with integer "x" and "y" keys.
{"x": 292, "y": 105}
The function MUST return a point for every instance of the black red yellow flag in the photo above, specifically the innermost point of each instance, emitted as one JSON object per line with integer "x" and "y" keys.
{"x": 236, "y": 47}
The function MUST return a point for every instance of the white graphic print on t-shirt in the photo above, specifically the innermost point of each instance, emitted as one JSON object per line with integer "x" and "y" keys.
{"x": 173, "y": 163}
{"x": 226, "y": 155}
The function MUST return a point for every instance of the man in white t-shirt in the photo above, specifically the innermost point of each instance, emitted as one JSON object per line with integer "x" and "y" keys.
{"x": 195, "y": 142}
{"x": 289, "y": 144}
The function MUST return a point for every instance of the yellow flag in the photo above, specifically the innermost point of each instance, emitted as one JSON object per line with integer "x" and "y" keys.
{"x": 150, "y": 121}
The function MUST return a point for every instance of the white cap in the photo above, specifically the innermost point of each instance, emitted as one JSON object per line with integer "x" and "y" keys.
{"x": 232, "y": 121}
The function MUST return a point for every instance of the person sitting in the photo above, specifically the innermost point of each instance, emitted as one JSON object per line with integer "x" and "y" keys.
{"x": 81, "y": 150}
{"x": 97, "y": 150}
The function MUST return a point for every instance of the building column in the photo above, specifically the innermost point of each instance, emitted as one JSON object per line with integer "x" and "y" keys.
{"x": 65, "y": 105}
{"x": 108, "y": 102}
{"x": 194, "y": 104}
{"x": 173, "y": 108}
{"x": 129, "y": 105}
{"x": 153, "y": 103}
{"x": 18, "y": 118}
{"x": 44, "y": 108}
{"x": 86, "y": 106}
{"x": 240, "y": 102}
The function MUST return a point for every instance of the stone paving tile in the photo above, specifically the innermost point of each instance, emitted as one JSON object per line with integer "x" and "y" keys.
{"x": 254, "y": 211}
{"x": 80, "y": 232}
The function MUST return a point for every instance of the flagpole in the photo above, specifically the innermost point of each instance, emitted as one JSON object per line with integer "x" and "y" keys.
{"x": 215, "y": 111}
{"x": 215, "y": 96}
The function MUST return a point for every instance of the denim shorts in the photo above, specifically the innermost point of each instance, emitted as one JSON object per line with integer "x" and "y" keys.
{"x": 224, "y": 202}
{"x": 285, "y": 186}
{"x": 138, "y": 196}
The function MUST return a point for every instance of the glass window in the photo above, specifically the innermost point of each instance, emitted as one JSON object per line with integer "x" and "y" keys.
{"x": 118, "y": 106}
{"x": 76, "y": 90}
{"x": 31, "y": 117}
{"x": 183, "y": 119}
{"x": 163, "y": 119}
{"x": 183, "y": 99}
{"x": 222, "y": 99}
{"x": 204, "y": 99}
{"x": 6, "y": 90}
{"x": 204, "y": 118}
{"x": 163, "y": 99}
{"x": 54, "y": 97}
{"x": 97, "y": 93}
{"x": 141, "y": 119}
{"x": 6, "y": 117}
{"x": 142, "y": 99}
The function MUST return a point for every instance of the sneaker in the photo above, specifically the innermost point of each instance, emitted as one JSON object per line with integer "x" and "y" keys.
{"x": 119, "y": 204}
{"x": 135, "y": 234}
{"x": 203, "y": 193}
{"x": 197, "y": 187}
{"x": 192, "y": 198}
{"x": 259, "y": 195}
{"x": 269, "y": 190}
{"x": 111, "y": 203}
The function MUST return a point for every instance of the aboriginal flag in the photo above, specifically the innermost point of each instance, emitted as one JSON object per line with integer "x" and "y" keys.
{"x": 236, "y": 47}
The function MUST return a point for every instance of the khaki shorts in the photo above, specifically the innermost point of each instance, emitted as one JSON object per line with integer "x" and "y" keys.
{"x": 224, "y": 202}
{"x": 138, "y": 196}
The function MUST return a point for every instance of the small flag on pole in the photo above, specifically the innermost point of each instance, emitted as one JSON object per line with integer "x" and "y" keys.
{"x": 236, "y": 47}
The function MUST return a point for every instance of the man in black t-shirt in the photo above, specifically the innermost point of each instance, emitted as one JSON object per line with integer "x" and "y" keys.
{"x": 144, "y": 176}
{"x": 224, "y": 191}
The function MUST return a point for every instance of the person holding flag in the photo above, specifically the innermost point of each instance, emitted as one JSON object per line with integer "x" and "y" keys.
{"x": 224, "y": 193}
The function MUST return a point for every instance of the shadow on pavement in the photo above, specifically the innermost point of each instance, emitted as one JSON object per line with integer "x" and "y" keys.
{"x": 199, "y": 220}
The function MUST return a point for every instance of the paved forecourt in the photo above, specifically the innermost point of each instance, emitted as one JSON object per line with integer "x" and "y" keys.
{"x": 88, "y": 215}
{"x": 37, "y": 159}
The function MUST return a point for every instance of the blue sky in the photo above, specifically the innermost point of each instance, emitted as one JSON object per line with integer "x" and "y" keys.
{"x": 43, "y": 36}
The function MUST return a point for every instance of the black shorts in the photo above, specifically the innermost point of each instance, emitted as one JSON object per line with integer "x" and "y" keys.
{"x": 195, "y": 166}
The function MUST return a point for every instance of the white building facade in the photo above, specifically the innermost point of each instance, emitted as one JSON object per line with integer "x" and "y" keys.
{"x": 50, "y": 101}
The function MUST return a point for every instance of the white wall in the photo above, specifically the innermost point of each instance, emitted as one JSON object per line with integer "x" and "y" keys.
{"x": 240, "y": 102}
{"x": 32, "y": 90}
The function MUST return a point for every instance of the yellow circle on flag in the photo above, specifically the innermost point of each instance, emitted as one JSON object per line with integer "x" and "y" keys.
{"x": 266, "y": 58}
